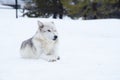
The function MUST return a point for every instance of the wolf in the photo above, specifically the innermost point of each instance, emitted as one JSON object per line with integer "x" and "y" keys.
{"x": 43, "y": 44}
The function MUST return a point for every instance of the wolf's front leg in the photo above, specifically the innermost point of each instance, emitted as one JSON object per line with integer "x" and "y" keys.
{"x": 50, "y": 57}
{"x": 55, "y": 55}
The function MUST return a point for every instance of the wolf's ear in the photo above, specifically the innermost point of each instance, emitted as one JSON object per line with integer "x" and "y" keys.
{"x": 40, "y": 24}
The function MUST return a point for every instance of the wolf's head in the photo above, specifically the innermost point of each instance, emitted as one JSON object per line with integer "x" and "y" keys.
{"x": 48, "y": 30}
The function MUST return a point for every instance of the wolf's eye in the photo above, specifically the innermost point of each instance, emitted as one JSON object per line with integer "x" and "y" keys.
{"x": 49, "y": 30}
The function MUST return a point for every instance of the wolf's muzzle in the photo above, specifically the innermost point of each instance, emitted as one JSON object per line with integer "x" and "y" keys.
{"x": 55, "y": 37}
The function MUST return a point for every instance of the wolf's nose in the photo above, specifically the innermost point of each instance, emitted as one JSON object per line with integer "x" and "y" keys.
{"x": 55, "y": 37}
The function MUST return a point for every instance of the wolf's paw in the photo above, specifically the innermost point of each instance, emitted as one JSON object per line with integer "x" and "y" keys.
{"x": 58, "y": 58}
{"x": 53, "y": 59}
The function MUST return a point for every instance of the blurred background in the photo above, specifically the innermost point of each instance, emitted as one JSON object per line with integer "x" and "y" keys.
{"x": 75, "y": 9}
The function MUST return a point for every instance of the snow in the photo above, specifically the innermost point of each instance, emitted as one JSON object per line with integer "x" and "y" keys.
{"x": 89, "y": 50}
{"x": 10, "y": 1}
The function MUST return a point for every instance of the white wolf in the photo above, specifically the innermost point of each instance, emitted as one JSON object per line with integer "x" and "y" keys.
{"x": 43, "y": 44}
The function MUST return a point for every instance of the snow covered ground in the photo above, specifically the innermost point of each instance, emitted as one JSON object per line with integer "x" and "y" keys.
{"x": 89, "y": 50}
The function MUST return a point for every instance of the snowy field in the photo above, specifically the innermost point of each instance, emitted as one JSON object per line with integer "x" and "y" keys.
{"x": 89, "y": 50}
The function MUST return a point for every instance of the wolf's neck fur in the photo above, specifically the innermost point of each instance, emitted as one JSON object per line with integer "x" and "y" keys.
{"x": 45, "y": 43}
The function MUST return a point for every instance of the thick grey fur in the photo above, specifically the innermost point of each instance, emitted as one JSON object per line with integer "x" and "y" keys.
{"x": 27, "y": 42}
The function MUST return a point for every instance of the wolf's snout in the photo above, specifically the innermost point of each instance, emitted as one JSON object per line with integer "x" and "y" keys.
{"x": 55, "y": 37}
